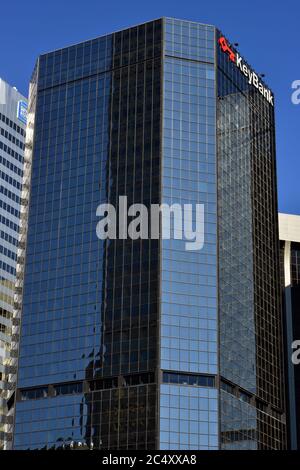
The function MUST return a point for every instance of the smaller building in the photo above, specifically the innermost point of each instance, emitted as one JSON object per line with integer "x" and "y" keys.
{"x": 13, "y": 111}
{"x": 289, "y": 234}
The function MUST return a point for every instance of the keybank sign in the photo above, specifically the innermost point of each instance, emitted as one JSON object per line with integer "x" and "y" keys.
{"x": 253, "y": 78}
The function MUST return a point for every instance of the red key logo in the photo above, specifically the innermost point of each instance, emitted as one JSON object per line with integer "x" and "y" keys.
{"x": 225, "y": 48}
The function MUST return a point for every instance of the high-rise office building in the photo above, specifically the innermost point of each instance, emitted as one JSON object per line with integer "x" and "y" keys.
{"x": 141, "y": 344}
{"x": 289, "y": 234}
{"x": 12, "y": 139}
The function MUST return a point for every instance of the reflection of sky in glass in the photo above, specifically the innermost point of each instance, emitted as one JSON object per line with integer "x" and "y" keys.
{"x": 189, "y": 309}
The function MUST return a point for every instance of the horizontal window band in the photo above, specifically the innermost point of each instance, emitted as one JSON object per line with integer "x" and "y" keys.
{"x": 181, "y": 378}
{"x": 82, "y": 387}
{"x": 253, "y": 400}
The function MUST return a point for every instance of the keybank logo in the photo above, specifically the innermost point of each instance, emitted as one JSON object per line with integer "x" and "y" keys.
{"x": 225, "y": 48}
{"x": 253, "y": 78}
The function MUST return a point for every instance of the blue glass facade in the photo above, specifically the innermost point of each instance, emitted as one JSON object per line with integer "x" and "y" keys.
{"x": 188, "y": 417}
{"x": 134, "y": 344}
{"x": 90, "y": 306}
{"x": 251, "y": 357}
{"x": 189, "y": 328}
{"x": 61, "y": 331}
{"x": 63, "y": 252}
{"x": 51, "y": 417}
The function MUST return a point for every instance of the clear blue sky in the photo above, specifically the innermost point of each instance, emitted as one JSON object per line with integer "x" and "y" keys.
{"x": 267, "y": 32}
